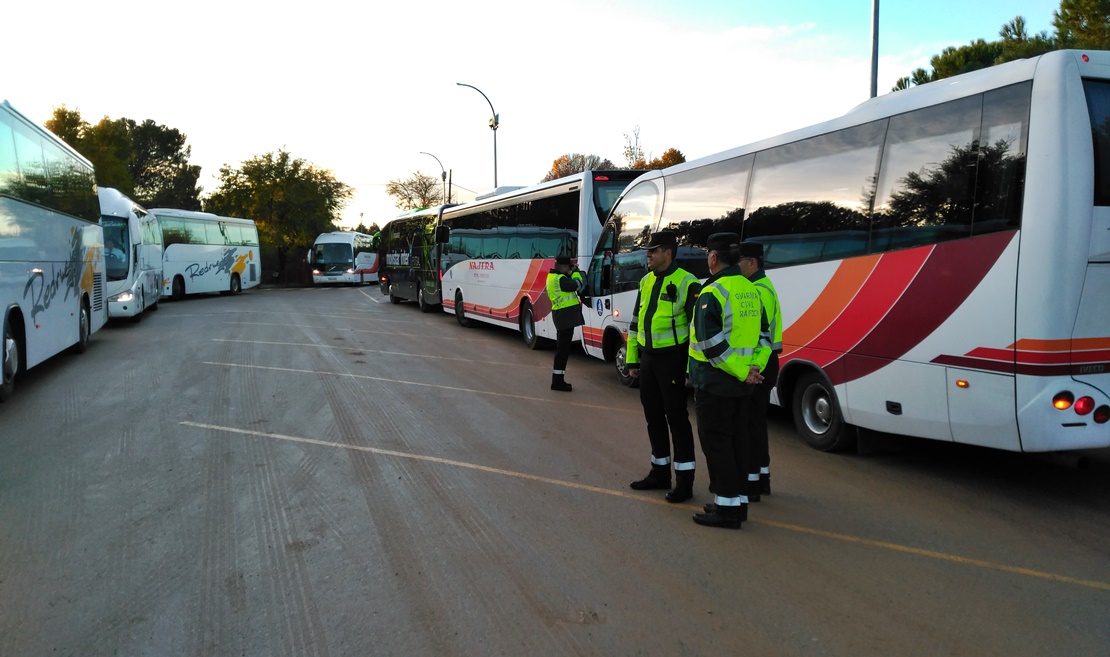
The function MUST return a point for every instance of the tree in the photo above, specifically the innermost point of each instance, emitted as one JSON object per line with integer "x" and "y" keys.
{"x": 572, "y": 163}
{"x": 670, "y": 157}
{"x": 419, "y": 191}
{"x": 633, "y": 154}
{"x": 1083, "y": 24}
{"x": 160, "y": 167}
{"x": 1017, "y": 44}
{"x": 964, "y": 59}
{"x": 148, "y": 162}
{"x": 291, "y": 200}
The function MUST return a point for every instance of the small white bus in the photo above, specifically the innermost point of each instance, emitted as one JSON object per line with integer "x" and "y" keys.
{"x": 941, "y": 254}
{"x": 345, "y": 257}
{"x": 132, "y": 255}
{"x": 207, "y": 253}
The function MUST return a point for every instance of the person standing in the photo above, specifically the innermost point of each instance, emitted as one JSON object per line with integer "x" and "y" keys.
{"x": 726, "y": 355}
{"x": 751, "y": 265}
{"x": 658, "y": 343}
{"x": 564, "y": 282}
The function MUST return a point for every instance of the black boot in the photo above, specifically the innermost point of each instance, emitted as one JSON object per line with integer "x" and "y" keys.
{"x": 754, "y": 489}
{"x": 557, "y": 383}
{"x": 712, "y": 508}
{"x": 726, "y": 517}
{"x": 658, "y": 479}
{"x": 684, "y": 487}
{"x": 765, "y": 484}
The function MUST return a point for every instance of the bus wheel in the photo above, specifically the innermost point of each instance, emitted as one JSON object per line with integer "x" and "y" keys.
{"x": 178, "y": 288}
{"x": 460, "y": 311}
{"x": 393, "y": 298}
{"x": 421, "y": 301}
{"x": 83, "y": 329}
{"x": 619, "y": 360}
{"x": 9, "y": 366}
{"x": 236, "y": 284}
{"x": 528, "y": 326}
{"x": 817, "y": 414}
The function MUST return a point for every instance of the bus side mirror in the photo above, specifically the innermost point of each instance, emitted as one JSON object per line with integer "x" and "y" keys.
{"x": 308, "y": 257}
{"x": 443, "y": 234}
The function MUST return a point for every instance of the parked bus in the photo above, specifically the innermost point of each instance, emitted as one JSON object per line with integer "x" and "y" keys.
{"x": 497, "y": 252}
{"x": 51, "y": 249}
{"x": 207, "y": 253}
{"x": 942, "y": 255}
{"x": 344, "y": 257}
{"x": 132, "y": 255}
{"x": 409, "y": 258}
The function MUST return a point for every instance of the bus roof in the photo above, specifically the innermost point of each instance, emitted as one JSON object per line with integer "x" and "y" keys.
{"x": 193, "y": 214}
{"x": 46, "y": 133}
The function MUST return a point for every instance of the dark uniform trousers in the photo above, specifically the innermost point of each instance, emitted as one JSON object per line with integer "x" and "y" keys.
{"x": 723, "y": 431}
{"x": 757, "y": 417}
{"x": 663, "y": 396}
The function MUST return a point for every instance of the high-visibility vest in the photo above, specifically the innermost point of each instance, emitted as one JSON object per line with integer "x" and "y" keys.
{"x": 560, "y": 298}
{"x": 741, "y": 328}
{"x": 668, "y": 325}
{"x": 772, "y": 312}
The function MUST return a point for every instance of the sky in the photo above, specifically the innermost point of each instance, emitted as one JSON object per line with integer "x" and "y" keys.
{"x": 363, "y": 89}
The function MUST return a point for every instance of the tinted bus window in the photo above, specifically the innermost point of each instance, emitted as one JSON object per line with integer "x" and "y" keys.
{"x": 1098, "y": 105}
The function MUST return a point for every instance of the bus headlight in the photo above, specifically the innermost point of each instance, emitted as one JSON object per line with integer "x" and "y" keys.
{"x": 350, "y": 271}
{"x": 315, "y": 272}
{"x": 122, "y": 297}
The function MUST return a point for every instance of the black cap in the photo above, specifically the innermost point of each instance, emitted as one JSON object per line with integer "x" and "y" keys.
{"x": 751, "y": 250}
{"x": 665, "y": 239}
{"x": 563, "y": 260}
{"x": 722, "y": 242}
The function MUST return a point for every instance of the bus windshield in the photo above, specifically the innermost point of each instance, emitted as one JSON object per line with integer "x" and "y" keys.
{"x": 333, "y": 254}
{"x": 116, "y": 247}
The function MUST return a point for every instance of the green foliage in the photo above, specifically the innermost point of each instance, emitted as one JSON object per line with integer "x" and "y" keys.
{"x": 420, "y": 191}
{"x": 1083, "y": 24}
{"x": 148, "y": 162}
{"x": 289, "y": 199}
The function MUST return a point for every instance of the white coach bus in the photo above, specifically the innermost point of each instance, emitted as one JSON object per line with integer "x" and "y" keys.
{"x": 495, "y": 253}
{"x": 51, "y": 249}
{"x": 345, "y": 257}
{"x": 132, "y": 255}
{"x": 207, "y": 253}
{"x": 942, "y": 255}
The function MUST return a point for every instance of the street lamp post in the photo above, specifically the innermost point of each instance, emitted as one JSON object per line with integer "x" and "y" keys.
{"x": 442, "y": 173}
{"x": 493, "y": 123}
{"x": 874, "y": 48}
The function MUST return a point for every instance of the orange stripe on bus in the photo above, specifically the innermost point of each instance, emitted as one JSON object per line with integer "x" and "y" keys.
{"x": 838, "y": 293}
{"x": 1067, "y": 344}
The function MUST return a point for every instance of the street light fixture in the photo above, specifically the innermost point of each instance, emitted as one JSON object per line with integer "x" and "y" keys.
{"x": 442, "y": 173}
{"x": 493, "y": 123}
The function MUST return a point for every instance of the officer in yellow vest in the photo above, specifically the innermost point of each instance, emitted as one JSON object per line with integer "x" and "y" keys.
{"x": 564, "y": 282}
{"x": 658, "y": 343}
{"x": 751, "y": 265}
{"x": 726, "y": 356}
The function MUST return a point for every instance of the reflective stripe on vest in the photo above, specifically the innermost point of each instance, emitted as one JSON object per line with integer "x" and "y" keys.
{"x": 773, "y": 310}
{"x": 669, "y": 324}
{"x": 741, "y": 324}
{"x": 561, "y": 298}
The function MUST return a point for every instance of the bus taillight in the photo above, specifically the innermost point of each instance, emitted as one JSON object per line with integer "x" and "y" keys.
{"x": 1084, "y": 405}
{"x": 1063, "y": 400}
{"x": 1102, "y": 414}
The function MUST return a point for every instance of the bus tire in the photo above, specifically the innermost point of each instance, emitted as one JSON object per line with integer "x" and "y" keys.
{"x": 84, "y": 322}
{"x": 528, "y": 326}
{"x": 393, "y": 298}
{"x": 236, "y": 284}
{"x": 178, "y": 288}
{"x": 460, "y": 312}
{"x": 9, "y": 360}
{"x": 620, "y": 358}
{"x": 817, "y": 414}
{"x": 422, "y": 301}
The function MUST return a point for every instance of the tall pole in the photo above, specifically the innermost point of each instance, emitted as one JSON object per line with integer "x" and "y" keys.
{"x": 493, "y": 123}
{"x": 874, "y": 48}
{"x": 442, "y": 173}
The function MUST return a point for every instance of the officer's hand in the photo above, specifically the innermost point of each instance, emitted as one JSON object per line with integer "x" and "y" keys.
{"x": 634, "y": 372}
